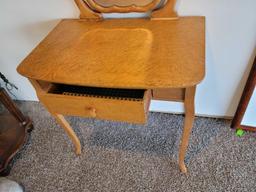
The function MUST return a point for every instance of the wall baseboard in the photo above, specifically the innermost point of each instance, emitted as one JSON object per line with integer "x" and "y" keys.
{"x": 197, "y": 115}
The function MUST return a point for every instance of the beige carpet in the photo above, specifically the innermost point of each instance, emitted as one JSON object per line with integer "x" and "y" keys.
{"x": 126, "y": 157}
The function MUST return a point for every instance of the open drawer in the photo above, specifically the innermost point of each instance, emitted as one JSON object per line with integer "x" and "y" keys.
{"x": 129, "y": 105}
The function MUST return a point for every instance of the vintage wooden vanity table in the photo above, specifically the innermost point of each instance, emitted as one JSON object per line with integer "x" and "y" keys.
{"x": 112, "y": 68}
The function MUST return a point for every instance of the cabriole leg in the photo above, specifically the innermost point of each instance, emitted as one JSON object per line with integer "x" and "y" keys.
{"x": 189, "y": 120}
{"x": 68, "y": 129}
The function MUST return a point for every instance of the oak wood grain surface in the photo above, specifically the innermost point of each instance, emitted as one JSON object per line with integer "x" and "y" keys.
{"x": 169, "y": 94}
{"x": 134, "y": 111}
{"x": 121, "y": 53}
{"x": 163, "y": 54}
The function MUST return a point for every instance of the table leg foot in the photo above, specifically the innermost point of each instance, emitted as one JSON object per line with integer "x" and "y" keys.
{"x": 183, "y": 167}
{"x": 189, "y": 120}
{"x": 68, "y": 129}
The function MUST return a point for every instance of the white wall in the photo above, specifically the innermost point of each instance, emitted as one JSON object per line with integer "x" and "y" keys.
{"x": 23, "y": 24}
{"x": 231, "y": 40}
{"x": 249, "y": 116}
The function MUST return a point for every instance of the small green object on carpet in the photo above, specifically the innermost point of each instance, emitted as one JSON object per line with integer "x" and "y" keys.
{"x": 240, "y": 132}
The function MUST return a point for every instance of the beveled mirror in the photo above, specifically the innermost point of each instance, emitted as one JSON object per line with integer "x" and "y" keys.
{"x": 123, "y": 6}
{"x": 122, "y": 3}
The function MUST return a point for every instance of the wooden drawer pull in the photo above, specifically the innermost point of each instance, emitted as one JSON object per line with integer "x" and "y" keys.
{"x": 92, "y": 111}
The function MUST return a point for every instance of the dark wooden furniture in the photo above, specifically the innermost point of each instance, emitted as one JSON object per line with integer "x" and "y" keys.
{"x": 244, "y": 101}
{"x": 13, "y": 131}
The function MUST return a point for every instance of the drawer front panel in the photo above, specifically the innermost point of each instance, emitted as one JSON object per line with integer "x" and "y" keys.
{"x": 128, "y": 110}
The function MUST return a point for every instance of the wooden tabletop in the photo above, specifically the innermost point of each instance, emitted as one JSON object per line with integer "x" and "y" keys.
{"x": 121, "y": 53}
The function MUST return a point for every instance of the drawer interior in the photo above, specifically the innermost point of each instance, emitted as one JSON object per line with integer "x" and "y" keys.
{"x": 113, "y": 93}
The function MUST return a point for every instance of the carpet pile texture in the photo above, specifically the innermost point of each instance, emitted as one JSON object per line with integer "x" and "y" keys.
{"x": 134, "y": 158}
